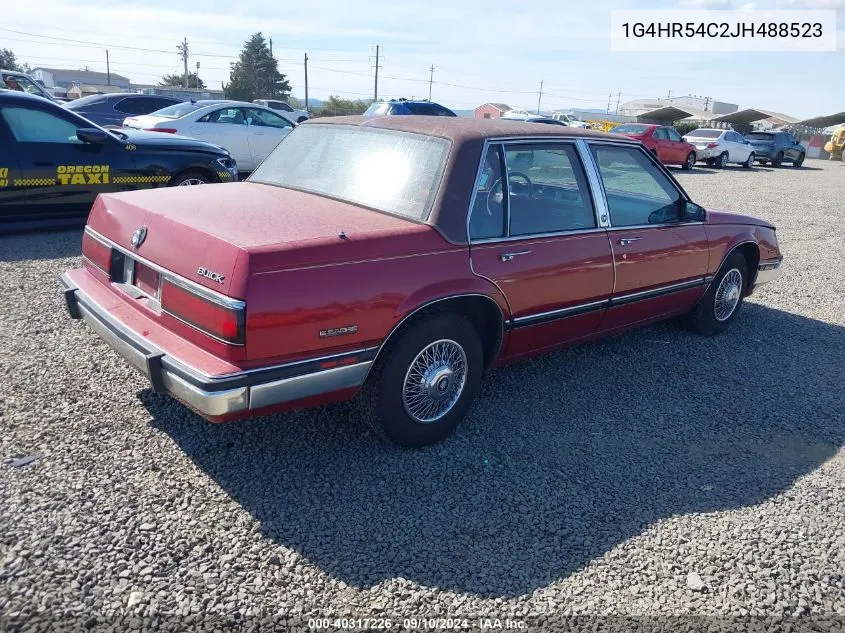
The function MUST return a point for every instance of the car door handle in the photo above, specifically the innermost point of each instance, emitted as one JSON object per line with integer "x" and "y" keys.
{"x": 628, "y": 240}
{"x": 506, "y": 257}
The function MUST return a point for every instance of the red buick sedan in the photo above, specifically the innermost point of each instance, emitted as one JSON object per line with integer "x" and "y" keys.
{"x": 401, "y": 257}
{"x": 663, "y": 141}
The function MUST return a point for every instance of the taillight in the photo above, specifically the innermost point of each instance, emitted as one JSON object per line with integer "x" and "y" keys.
{"x": 216, "y": 319}
{"x": 167, "y": 130}
{"x": 96, "y": 252}
{"x": 712, "y": 145}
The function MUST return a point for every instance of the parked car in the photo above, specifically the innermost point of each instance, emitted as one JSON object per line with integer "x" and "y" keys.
{"x": 21, "y": 82}
{"x": 776, "y": 147}
{"x": 248, "y": 130}
{"x": 720, "y": 147}
{"x": 55, "y": 162}
{"x": 661, "y": 140}
{"x": 407, "y": 107}
{"x": 544, "y": 119}
{"x": 570, "y": 120}
{"x": 112, "y": 109}
{"x": 393, "y": 255}
{"x": 285, "y": 109}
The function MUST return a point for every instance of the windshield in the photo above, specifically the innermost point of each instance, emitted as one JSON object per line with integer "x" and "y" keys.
{"x": 392, "y": 171}
{"x": 759, "y": 136}
{"x": 630, "y": 129}
{"x": 702, "y": 133}
{"x": 178, "y": 110}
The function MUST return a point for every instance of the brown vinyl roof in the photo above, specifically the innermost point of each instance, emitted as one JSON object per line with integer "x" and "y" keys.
{"x": 462, "y": 128}
{"x": 467, "y": 136}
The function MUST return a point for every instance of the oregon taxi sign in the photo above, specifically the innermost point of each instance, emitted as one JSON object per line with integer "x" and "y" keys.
{"x": 83, "y": 174}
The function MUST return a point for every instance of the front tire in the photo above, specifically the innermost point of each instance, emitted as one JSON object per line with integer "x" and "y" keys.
{"x": 689, "y": 163}
{"x": 188, "y": 179}
{"x": 798, "y": 161}
{"x": 749, "y": 162}
{"x": 426, "y": 381}
{"x": 719, "y": 306}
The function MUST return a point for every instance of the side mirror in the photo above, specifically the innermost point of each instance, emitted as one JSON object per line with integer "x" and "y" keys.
{"x": 92, "y": 135}
{"x": 691, "y": 212}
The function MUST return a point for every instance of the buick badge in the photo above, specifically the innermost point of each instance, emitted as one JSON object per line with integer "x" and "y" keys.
{"x": 138, "y": 237}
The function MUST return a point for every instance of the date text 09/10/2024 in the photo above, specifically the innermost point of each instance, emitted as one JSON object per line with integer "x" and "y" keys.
{"x": 417, "y": 624}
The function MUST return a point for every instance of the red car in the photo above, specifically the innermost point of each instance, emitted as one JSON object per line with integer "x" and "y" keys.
{"x": 663, "y": 141}
{"x": 401, "y": 257}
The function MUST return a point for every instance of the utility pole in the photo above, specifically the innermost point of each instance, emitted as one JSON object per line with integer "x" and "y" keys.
{"x": 375, "y": 92}
{"x": 273, "y": 85}
{"x": 540, "y": 96}
{"x": 306, "y": 82}
{"x": 183, "y": 53}
{"x": 430, "y": 81}
{"x": 618, "y": 97}
{"x": 108, "y": 69}
{"x": 198, "y": 76}
{"x": 609, "y": 97}
{"x": 669, "y": 96}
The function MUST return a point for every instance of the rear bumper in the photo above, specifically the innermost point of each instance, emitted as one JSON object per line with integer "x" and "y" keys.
{"x": 226, "y": 396}
{"x": 768, "y": 271}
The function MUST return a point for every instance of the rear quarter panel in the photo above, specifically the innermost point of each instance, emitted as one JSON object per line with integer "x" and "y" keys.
{"x": 287, "y": 309}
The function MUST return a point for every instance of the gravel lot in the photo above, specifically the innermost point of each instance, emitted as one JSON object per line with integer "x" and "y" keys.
{"x": 654, "y": 474}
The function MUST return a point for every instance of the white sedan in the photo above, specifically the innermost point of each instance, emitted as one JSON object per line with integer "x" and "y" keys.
{"x": 249, "y": 131}
{"x": 720, "y": 147}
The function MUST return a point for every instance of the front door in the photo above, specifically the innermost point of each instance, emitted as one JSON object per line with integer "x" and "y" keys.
{"x": 660, "y": 260}
{"x": 534, "y": 234}
{"x": 59, "y": 175}
{"x": 227, "y": 128}
{"x": 266, "y": 130}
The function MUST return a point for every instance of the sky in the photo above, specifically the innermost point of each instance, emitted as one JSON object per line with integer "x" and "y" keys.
{"x": 481, "y": 50}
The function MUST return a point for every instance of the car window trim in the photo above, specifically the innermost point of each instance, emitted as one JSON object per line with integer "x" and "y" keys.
{"x": 581, "y": 150}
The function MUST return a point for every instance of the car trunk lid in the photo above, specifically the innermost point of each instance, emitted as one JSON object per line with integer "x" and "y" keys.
{"x": 215, "y": 235}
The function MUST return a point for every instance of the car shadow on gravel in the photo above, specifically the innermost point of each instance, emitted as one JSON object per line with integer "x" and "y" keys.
{"x": 562, "y": 459}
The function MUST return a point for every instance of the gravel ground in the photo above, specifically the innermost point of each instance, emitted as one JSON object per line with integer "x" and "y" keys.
{"x": 655, "y": 474}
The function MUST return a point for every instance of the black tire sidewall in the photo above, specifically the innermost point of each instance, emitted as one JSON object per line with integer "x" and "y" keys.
{"x": 722, "y": 160}
{"x": 689, "y": 164}
{"x": 799, "y": 161}
{"x": 397, "y": 425}
{"x": 749, "y": 162}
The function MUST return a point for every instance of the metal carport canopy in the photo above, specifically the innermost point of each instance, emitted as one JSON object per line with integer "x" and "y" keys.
{"x": 668, "y": 113}
{"x": 824, "y": 121}
{"x": 750, "y": 115}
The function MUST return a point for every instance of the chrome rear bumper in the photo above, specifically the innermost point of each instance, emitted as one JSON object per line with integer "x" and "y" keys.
{"x": 218, "y": 396}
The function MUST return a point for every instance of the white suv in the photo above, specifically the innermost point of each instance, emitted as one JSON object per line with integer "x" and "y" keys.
{"x": 569, "y": 119}
{"x": 285, "y": 109}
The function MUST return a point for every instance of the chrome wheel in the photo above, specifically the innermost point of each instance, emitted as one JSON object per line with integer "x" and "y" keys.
{"x": 189, "y": 182}
{"x": 690, "y": 161}
{"x": 728, "y": 295}
{"x": 434, "y": 381}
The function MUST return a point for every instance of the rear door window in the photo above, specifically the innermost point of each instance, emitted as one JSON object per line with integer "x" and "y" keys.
{"x": 133, "y": 105}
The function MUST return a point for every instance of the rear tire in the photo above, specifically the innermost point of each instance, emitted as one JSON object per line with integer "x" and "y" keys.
{"x": 777, "y": 160}
{"x": 189, "y": 178}
{"x": 722, "y": 160}
{"x": 719, "y": 306}
{"x": 425, "y": 382}
{"x": 798, "y": 161}
{"x": 690, "y": 162}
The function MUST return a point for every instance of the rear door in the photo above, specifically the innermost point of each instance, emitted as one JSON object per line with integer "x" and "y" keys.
{"x": 535, "y": 235}
{"x": 227, "y": 128}
{"x": 677, "y": 146}
{"x": 660, "y": 261}
{"x": 60, "y": 175}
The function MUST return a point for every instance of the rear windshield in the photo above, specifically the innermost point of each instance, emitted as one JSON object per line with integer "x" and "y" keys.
{"x": 85, "y": 101}
{"x": 760, "y": 136}
{"x": 178, "y": 110}
{"x": 630, "y": 129}
{"x": 702, "y": 133}
{"x": 392, "y": 171}
{"x": 377, "y": 109}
